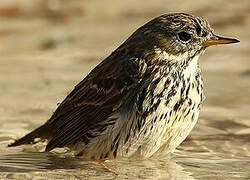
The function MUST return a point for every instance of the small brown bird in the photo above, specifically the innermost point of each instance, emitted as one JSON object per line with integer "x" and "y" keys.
{"x": 142, "y": 99}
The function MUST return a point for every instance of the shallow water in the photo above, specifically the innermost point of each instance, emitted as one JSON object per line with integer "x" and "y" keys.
{"x": 45, "y": 53}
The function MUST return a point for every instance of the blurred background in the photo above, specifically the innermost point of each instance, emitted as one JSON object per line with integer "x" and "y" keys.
{"x": 47, "y": 46}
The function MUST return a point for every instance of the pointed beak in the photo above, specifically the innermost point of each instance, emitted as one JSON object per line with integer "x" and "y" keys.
{"x": 215, "y": 40}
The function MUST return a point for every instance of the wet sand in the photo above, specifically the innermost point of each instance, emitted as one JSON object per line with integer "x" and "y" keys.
{"x": 46, "y": 49}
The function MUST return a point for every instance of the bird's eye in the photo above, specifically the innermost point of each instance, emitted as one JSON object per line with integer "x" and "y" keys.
{"x": 184, "y": 36}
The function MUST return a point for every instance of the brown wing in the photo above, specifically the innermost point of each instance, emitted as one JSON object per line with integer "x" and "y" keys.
{"x": 95, "y": 98}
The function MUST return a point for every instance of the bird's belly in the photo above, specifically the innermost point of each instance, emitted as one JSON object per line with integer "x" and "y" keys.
{"x": 180, "y": 123}
{"x": 166, "y": 129}
{"x": 171, "y": 122}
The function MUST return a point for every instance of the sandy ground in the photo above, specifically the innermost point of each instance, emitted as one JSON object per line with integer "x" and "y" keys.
{"x": 46, "y": 47}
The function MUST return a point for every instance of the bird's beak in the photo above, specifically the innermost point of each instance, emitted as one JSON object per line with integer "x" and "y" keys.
{"x": 215, "y": 40}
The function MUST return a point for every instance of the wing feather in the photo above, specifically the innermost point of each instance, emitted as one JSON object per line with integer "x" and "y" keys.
{"x": 95, "y": 98}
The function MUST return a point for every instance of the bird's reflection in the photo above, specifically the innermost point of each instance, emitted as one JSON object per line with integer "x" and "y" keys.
{"x": 36, "y": 161}
{"x": 28, "y": 162}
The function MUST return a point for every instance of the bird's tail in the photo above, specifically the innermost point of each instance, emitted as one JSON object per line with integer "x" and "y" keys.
{"x": 41, "y": 132}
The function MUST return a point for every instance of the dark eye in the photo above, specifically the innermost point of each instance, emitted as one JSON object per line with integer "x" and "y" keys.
{"x": 184, "y": 36}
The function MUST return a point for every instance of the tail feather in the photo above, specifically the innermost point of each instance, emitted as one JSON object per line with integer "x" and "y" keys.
{"x": 41, "y": 132}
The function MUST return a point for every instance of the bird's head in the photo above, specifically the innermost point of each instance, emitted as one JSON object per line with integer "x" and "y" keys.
{"x": 177, "y": 34}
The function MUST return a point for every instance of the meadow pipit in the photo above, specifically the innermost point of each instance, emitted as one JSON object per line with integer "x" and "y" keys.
{"x": 143, "y": 98}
